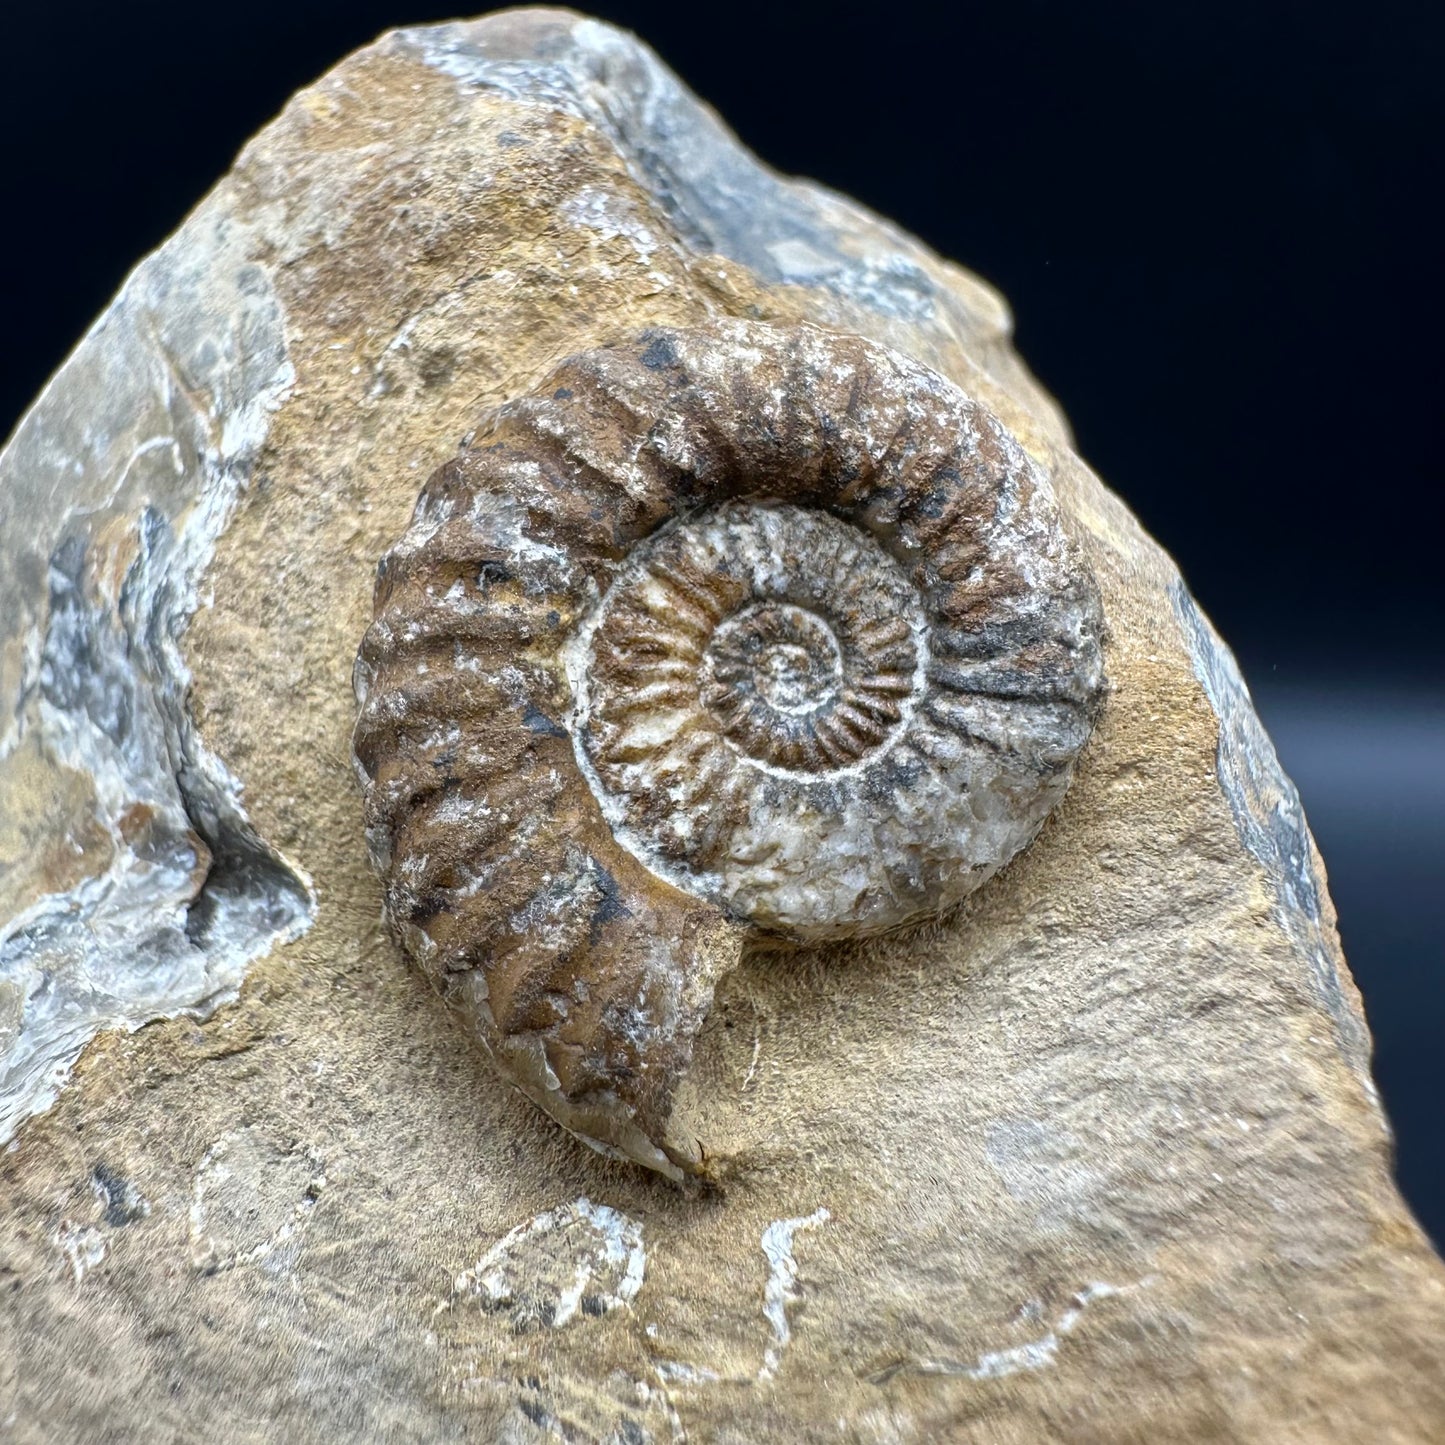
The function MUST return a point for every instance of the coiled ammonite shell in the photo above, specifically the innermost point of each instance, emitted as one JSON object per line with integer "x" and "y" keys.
{"x": 721, "y": 633}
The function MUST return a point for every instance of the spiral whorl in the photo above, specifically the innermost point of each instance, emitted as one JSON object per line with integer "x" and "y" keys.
{"x": 720, "y": 630}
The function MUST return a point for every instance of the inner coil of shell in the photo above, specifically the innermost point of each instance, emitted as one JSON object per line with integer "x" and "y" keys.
{"x": 720, "y": 632}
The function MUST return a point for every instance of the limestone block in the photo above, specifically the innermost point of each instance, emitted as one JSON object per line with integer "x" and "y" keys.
{"x": 1095, "y": 1156}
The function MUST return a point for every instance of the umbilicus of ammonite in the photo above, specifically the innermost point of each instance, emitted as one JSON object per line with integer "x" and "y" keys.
{"x": 720, "y": 634}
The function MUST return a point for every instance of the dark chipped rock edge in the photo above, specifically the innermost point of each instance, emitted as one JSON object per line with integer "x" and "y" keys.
{"x": 1270, "y": 820}
{"x": 121, "y": 477}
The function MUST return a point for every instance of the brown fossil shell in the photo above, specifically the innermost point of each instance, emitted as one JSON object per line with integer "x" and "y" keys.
{"x": 719, "y": 633}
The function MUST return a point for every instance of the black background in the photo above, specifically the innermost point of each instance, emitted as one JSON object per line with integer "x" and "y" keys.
{"x": 1216, "y": 225}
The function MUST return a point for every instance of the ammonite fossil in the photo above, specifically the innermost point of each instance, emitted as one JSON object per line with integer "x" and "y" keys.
{"x": 720, "y": 634}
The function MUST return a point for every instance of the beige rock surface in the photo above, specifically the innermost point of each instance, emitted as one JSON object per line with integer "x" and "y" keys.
{"x": 1097, "y": 1159}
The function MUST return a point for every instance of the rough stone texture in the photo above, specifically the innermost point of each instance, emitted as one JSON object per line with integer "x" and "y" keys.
{"x": 721, "y": 632}
{"x": 1097, "y": 1159}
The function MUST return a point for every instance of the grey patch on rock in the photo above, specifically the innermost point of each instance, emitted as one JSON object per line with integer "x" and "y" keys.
{"x": 120, "y": 1201}
{"x": 1270, "y": 820}
{"x": 719, "y": 197}
{"x": 250, "y": 1203}
{"x": 579, "y": 1261}
{"x": 113, "y": 491}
